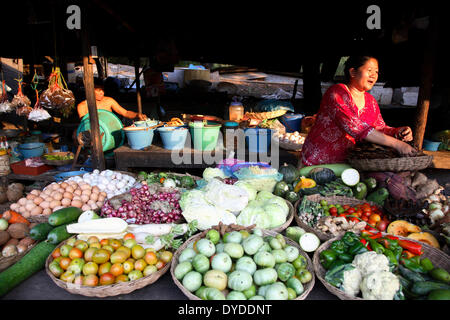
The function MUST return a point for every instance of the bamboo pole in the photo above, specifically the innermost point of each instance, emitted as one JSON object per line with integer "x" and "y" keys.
{"x": 98, "y": 160}
{"x": 138, "y": 84}
{"x": 423, "y": 101}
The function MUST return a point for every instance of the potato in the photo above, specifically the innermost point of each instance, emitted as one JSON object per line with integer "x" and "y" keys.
{"x": 4, "y": 237}
{"x": 66, "y": 202}
{"x": 36, "y": 211}
{"x": 22, "y": 201}
{"x": 58, "y": 196}
{"x": 12, "y": 241}
{"x": 21, "y": 248}
{"x": 27, "y": 241}
{"x": 76, "y": 203}
{"x": 47, "y": 211}
{"x": 54, "y": 204}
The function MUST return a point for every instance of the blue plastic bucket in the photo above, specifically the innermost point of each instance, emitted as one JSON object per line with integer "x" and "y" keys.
{"x": 431, "y": 145}
{"x": 173, "y": 138}
{"x": 292, "y": 121}
{"x": 139, "y": 137}
{"x": 32, "y": 149}
{"x": 146, "y": 123}
{"x": 258, "y": 139}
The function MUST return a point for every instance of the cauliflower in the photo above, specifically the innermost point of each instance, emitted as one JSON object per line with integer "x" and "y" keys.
{"x": 380, "y": 285}
{"x": 370, "y": 261}
{"x": 351, "y": 282}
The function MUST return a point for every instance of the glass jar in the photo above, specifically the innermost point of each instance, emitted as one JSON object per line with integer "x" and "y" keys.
{"x": 236, "y": 111}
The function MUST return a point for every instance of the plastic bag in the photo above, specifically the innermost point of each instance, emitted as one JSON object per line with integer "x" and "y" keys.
{"x": 21, "y": 102}
{"x": 57, "y": 96}
{"x": 260, "y": 178}
{"x": 5, "y": 105}
{"x": 274, "y": 105}
{"x": 38, "y": 113}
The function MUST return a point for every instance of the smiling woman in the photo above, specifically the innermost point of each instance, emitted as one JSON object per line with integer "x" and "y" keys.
{"x": 349, "y": 114}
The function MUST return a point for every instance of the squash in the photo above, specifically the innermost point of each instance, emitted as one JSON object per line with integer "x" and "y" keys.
{"x": 402, "y": 228}
{"x": 280, "y": 189}
{"x": 425, "y": 237}
{"x": 322, "y": 175}
{"x": 289, "y": 172}
{"x": 305, "y": 183}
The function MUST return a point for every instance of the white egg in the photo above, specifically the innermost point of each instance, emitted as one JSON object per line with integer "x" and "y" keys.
{"x": 119, "y": 176}
{"x": 96, "y": 171}
{"x": 101, "y": 186}
{"x": 108, "y": 173}
{"x": 120, "y": 185}
{"x": 112, "y": 187}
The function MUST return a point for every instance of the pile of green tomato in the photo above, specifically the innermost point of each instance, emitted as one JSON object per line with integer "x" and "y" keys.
{"x": 242, "y": 266}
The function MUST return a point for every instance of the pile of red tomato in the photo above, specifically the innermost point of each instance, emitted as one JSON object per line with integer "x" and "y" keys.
{"x": 375, "y": 219}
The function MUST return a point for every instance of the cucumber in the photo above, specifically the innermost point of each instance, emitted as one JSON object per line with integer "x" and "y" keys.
{"x": 40, "y": 231}
{"x": 32, "y": 262}
{"x": 360, "y": 190}
{"x": 425, "y": 287}
{"x": 337, "y": 168}
{"x": 439, "y": 294}
{"x": 63, "y": 216}
{"x": 371, "y": 184}
{"x": 410, "y": 275}
{"x": 378, "y": 196}
{"x": 58, "y": 234}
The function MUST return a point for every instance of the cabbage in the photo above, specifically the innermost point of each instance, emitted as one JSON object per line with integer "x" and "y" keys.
{"x": 193, "y": 197}
{"x": 210, "y": 173}
{"x": 264, "y": 195}
{"x": 276, "y": 215}
{"x": 279, "y": 202}
{"x": 254, "y": 215}
{"x": 250, "y": 190}
{"x": 208, "y": 216}
{"x": 225, "y": 196}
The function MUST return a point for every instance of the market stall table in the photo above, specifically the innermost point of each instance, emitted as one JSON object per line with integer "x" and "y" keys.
{"x": 157, "y": 157}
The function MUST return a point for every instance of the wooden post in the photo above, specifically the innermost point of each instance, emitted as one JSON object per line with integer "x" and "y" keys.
{"x": 423, "y": 101}
{"x": 98, "y": 160}
{"x": 138, "y": 84}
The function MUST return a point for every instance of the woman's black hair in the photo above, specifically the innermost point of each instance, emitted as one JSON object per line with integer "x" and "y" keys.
{"x": 355, "y": 62}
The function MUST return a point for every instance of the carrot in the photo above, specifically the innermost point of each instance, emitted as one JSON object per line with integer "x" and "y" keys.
{"x": 15, "y": 217}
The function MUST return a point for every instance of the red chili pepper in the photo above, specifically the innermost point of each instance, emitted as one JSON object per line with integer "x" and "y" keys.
{"x": 162, "y": 180}
{"x": 407, "y": 254}
{"x": 366, "y": 244}
{"x": 411, "y": 246}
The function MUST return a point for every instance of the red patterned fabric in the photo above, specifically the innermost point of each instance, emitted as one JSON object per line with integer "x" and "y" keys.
{"x": 339, "y": 126}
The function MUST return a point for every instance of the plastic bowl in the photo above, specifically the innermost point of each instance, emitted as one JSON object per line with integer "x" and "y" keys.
{"x": 139, "y": 137}
{"x": 32, "y": 149}
{"x": 431, "y": 145}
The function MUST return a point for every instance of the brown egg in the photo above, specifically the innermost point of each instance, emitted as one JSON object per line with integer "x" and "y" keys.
{"x": 78, "y": 192}
{"x": 22, "y": 201}
{"x": 30, "y": 206}
{"x": 94, "y": 196}
{"x": 64, "y": 185}
{"x": 90, "y": 202}
{"x": 68, "y": 195}
{"x": 22, "y": 210}
{"x": 103, "y": 194}
{"x": 14, "y": 207}
{"x": 101, "y": 198}
{"x": 55, "y": 186}
{"x": 94, "y": 206}
{"x": 35, "y": 192}
{"x": 38, "y": 200}
{"x": 36, "y": 211}
{"x": 76, "y": 198}
{"x": 54, "y": 204}
{"x": 66, "y": 202}
{"x": 86, "y": 187}
{"x": 48, "y": 191}
{"x": 86, "y": 207}
{"x": 26, "y": 214}
{"x": 99, "y": 204}
{"x": 84, "y": 198}
{"x": 76, "y": 203}
{"x": 45, "y": 204}
{"x": 57, "y": 208}
{"x": 95, "y": 189}
{"x": 70, "y": 189}
{"x": 87, "y": 192}
{"x": 47, "y": 211}
{"x": 58, "y": 196}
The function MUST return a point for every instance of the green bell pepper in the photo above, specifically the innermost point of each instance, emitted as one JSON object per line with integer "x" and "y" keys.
{"x": 350, "y": 238}
{"x": 339, "y": 246}
{"x": 426, "y": 264}
{"x": 357, "y": 248}
{"x": 338, "y": 262}
{"x": 346, "y": 257}
{"x": 377, "y": 247}
{"x": 412, "y": 265}
{"x": 327, "y": 257}
{"x": 391, "y": 257}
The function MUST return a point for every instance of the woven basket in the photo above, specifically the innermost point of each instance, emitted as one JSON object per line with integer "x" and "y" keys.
{"x": 9, "y": 261}
{"x": 393, "y": 164}
{"x": 39, "y": 218}
{"x": 437, "y": 257}
{"x": 307, "y": 287}
{"x": 333, "y": 200}
{"x": 108, "y": 290}
{"x": 265, "y": 115}
{"x": 58, "y": 162}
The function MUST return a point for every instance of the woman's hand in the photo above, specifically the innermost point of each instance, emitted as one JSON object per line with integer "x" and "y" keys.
{"x": 404, "y": 134}
{"x": 405, "y": 149}
{"x": 141, "y": 116}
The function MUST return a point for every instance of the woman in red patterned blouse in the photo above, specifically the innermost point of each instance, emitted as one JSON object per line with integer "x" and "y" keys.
{"x": 348, "y": 114}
